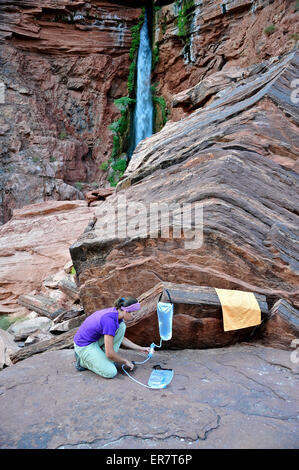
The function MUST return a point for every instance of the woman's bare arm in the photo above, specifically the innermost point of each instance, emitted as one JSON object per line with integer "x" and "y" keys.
{"x": 112, "y": 355}
{"x": 127, "y": 343}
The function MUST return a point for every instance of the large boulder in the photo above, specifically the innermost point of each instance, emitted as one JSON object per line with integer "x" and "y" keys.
{"x": 21, "y": 330}
{"x": 282, "y": 328}
{"x": 236, "y": 158}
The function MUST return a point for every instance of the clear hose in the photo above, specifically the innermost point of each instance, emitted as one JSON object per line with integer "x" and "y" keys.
{"x": 150, "y": 355}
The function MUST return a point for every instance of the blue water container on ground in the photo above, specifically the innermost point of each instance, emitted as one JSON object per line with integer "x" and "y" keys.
{"x": 165, "y": 316}
{"x": 160, "y": 378}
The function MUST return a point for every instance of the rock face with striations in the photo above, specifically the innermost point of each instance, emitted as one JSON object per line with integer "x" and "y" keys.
{"x": 62, "y": 63}
{"x": 237, "y": 157}
{"x": 231, "y": 145}
{"x": 34, "y": 245}
{"x": 216, "y": 35}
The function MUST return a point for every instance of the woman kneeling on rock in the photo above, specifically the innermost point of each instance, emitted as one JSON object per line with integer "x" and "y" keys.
{"x": 98, "y": 339}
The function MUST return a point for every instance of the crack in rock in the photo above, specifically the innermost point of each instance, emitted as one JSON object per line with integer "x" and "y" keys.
{"x": 253, "y": 380}
{"x": 213, "y": 428}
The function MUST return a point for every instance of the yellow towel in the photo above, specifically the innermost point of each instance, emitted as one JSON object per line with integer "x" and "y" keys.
{"x": 239, "y": 309}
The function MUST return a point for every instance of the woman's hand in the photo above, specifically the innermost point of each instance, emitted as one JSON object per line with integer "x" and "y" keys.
{"x": 127, "y": 343}
{"x": 129, "y": 364}
{"x": 145, "y": 349}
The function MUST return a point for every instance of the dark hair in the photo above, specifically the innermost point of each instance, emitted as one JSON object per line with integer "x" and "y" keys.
{"x": 125, "y": 302}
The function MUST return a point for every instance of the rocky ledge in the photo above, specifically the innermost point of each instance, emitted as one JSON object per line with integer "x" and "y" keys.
{"x": 236, "y": 397}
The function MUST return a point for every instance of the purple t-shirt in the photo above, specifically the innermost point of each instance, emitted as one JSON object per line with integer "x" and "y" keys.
{"x": 101, "y": 322}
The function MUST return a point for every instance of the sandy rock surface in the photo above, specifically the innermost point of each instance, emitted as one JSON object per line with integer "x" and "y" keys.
{"x": 237, "y": 397}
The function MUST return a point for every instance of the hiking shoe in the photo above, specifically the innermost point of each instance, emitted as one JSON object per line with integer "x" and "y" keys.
{"x": 77, "y": 365}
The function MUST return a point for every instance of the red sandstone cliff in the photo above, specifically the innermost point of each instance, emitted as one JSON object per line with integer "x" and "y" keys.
{"x": 64, "y": 63}
{"x": 216, "y": 41}
{"x": 230, "y": 157}
{"x": 227, "y": 83}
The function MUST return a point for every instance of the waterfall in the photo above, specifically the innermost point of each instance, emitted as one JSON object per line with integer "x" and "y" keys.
{"x": 143, "y": 113}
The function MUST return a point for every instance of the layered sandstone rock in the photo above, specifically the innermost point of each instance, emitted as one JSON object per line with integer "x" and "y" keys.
{"x": 34, "y": 245}
{"x": 56, "y": 26}
{"x": 257, "y": 113}
{"x": 236, "y": 157}
{"x": 218, "y": 35}
{"x": 62, "y": 63}
{"x": 282, "y": 329}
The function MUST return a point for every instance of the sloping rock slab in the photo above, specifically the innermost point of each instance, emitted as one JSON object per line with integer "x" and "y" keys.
{"x": 236, "y": 397}
{"x": 44, "y": 305}
{"x": 253, "y": 115}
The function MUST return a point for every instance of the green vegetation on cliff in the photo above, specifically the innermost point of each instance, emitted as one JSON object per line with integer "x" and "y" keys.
{"x": 120, "y": 130}
{"x": 160, "y": 109}
{"x": 185, "y": 15}
{"x": 121, "y": 127}
{"x": 135, "y": 33}
{"x": 270, "y": 29}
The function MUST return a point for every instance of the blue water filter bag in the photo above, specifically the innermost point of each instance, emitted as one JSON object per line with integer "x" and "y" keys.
{"x": 165, "y": 316}
{"x": 160, "y": 378}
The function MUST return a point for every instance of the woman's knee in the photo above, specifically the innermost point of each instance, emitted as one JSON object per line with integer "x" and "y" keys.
{"x": 92, "y": 357}
{"x": 109, "y": 372}
{"x": 111, "y": 375}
